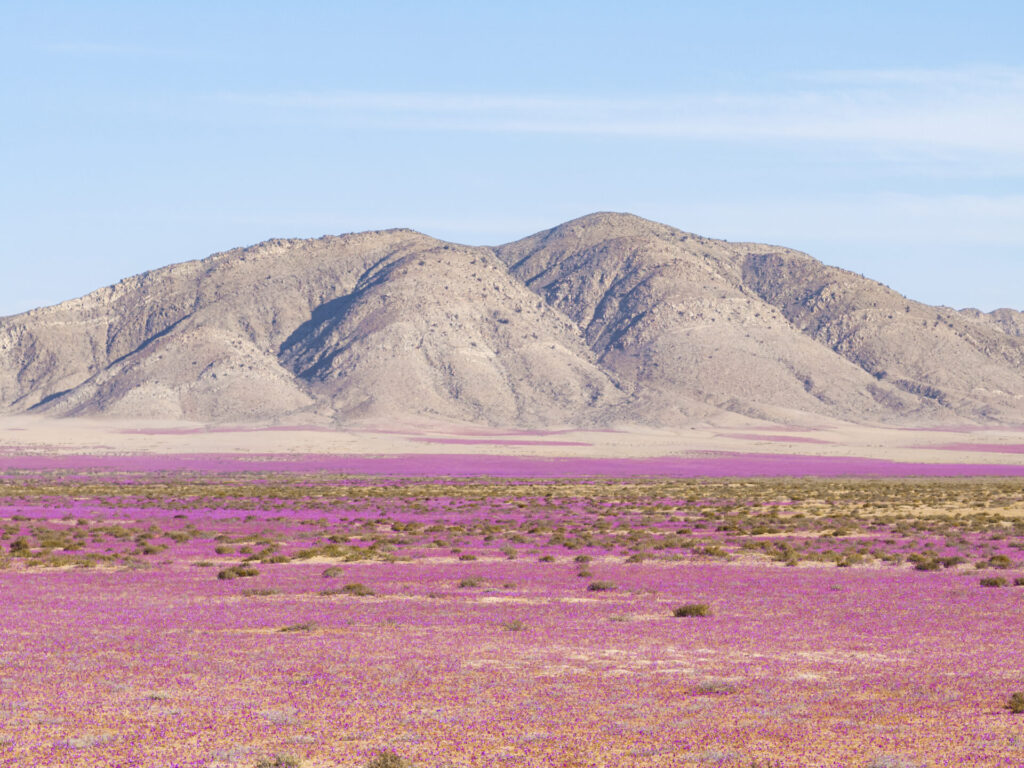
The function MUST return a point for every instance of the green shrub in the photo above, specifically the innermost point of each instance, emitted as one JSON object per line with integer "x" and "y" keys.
{"x": 994, "y": 581}
{"x": 238, "y": 572}
{"x": 1016, "y": 703}
{"x": 601, "y": 586}
{"x": 692, "y": 609}
{"x": 274, "y": 559}
{"x": 20, "y": 546}
{"x": 1001, "y": 562}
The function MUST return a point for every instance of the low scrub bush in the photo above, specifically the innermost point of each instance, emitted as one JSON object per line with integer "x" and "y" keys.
{"x": 238, "y": 572}
{"x": 358, "y": 590}
{"x": 388, "y": 759}
{"x": 994, "y": 581}
{"x": 601, "y": 586}
{"x": 306, "y": 626}
{"x": 715, "y": 686}
{"x": 1016, "y": 703}
{"x": 20, "y": 546}
{"x": 1001, "y": 562}
{"x": 279, "y": 761}
{"x": 692, "y": 610}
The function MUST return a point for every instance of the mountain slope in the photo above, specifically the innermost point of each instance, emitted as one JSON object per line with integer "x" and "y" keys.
{"x": 670, "y": 313}
{"x": 966, "y": 362}
{"x": 608, "y": 318}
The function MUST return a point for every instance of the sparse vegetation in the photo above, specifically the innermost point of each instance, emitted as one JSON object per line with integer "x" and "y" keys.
{"x": 1016, "y": 703}
{"x": 238, "y": 572}
{"x": 692, "y": 610}
{"x": 753, "y": 529}
{"x": 306, "y": 626}
{"x": 357, "y": 589}
{"x": 279, "y": 761}
{"x": 388, "y": 759}
{"x": 994, "y": 581}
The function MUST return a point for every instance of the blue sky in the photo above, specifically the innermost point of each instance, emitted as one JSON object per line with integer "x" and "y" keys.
{"x": 886, "y": 138}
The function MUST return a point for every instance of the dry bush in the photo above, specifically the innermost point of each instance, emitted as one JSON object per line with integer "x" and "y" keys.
{"x": 1016, "y": 703}
{"x": 307, "y": 626}
{"x": 358, "y": 590}
{"x": 388, "y": 759}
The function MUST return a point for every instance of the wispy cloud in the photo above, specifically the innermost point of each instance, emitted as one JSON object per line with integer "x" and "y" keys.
{"x": 965, "y": 109}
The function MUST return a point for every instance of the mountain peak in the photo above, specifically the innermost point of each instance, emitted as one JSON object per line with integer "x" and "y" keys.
{"x": 608, "y": 318}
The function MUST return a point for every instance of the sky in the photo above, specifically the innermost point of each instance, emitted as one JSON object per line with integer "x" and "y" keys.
{"x": 882, "y": 137}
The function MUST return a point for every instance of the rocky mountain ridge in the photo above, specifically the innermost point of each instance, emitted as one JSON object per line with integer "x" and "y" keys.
{"x": 606, "y": 319}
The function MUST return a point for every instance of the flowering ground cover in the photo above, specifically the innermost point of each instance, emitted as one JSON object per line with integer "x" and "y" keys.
{"x": 700, "y": 464}
{"x": 226, "y": 615}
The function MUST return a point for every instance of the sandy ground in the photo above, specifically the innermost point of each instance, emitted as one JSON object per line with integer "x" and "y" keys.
{"x": 31, "y": 434}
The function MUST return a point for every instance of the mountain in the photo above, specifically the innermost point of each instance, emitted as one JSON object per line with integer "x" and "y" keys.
{"x": 606, "y": 319}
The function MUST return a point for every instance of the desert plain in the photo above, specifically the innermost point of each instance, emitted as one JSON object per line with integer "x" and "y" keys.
{"x": 428, "y": 595}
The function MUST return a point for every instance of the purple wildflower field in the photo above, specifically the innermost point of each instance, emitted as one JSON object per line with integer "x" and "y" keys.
{"x": 430, "y": 611}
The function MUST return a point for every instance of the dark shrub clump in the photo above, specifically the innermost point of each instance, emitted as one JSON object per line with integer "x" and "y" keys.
{"x": 1016, "y": 703}
{"x": 357, "y": 589}
{"x": 692, "y": 609}
{"x": 994, "y": 581}
{"x": 388, "y": 759}
{"x": 238, "y": 572}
